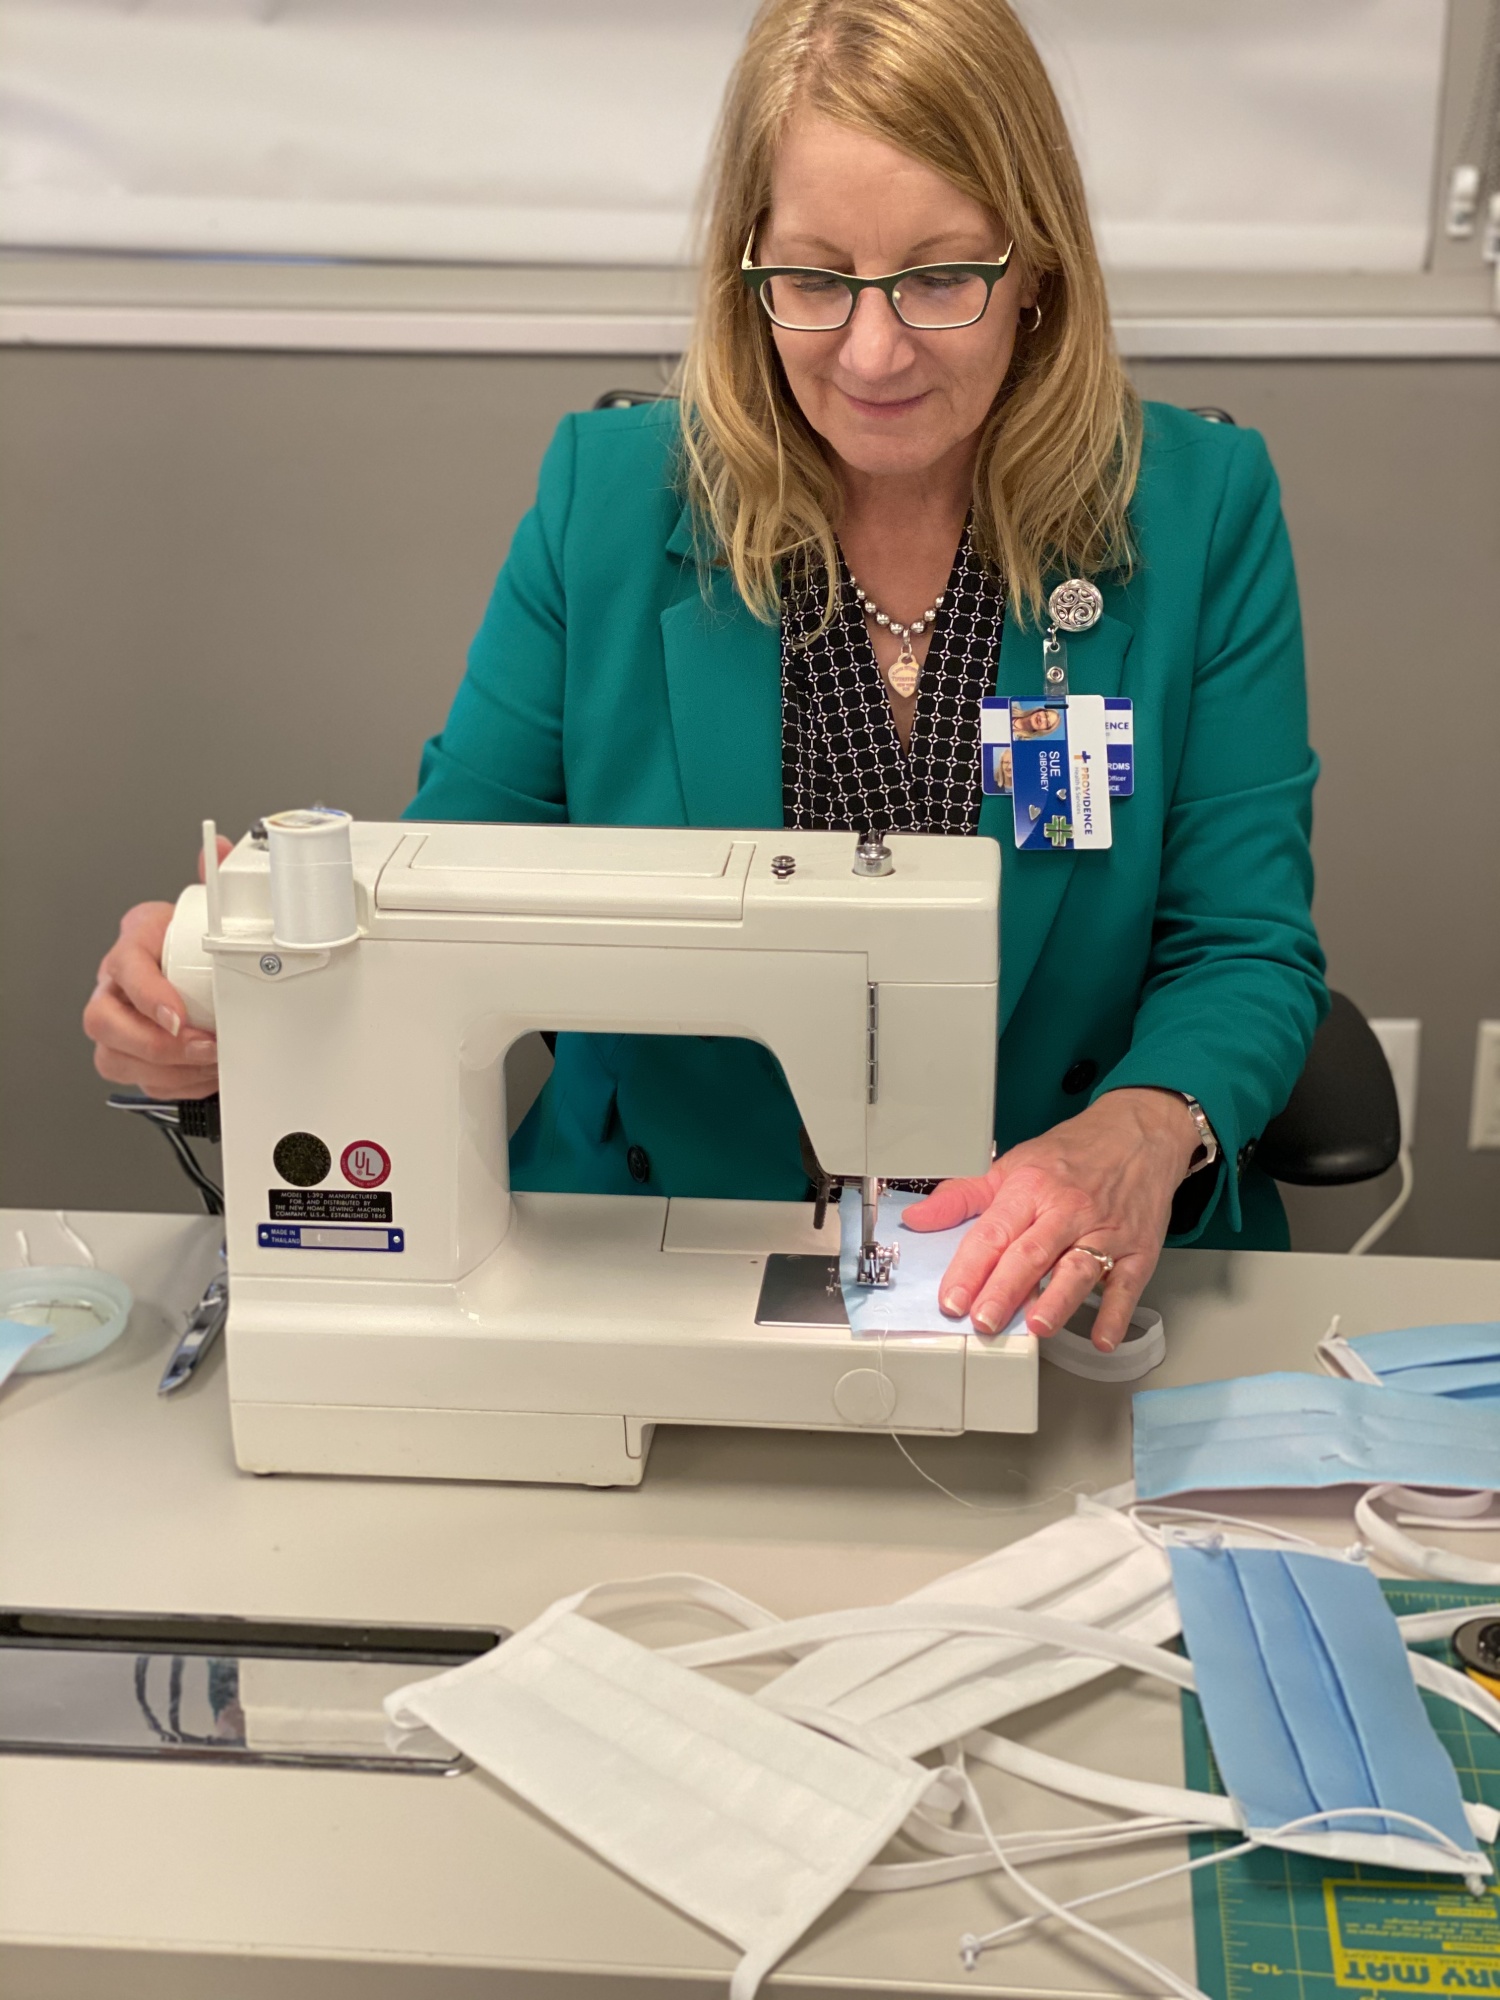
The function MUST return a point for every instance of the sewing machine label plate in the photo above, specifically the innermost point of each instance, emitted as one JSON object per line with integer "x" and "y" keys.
{"x": 303, "y": 1236}
{"x": 328, "y": 1205}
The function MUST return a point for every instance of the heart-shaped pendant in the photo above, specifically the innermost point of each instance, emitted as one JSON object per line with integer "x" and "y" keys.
{"x": 905, "y": 673}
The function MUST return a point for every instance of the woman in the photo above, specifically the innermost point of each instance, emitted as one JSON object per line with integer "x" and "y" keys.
{"x": 678, "y": 637}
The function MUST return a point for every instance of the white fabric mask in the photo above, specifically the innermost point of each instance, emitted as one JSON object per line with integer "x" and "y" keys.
{"x": 916, "y": 1690}
{"x": 742, "y": 1819}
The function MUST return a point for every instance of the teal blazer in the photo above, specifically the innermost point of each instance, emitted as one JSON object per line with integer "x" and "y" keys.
{"x": 612, "y": 684}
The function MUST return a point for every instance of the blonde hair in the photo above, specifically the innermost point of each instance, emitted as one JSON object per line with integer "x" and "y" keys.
{"x": 962, "y": 85}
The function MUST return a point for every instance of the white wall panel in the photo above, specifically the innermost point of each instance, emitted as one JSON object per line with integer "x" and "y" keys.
{"x": 1281, "y": 135}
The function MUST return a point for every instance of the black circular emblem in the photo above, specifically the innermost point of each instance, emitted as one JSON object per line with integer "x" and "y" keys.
{"x": 302, "y": 1159}
{"x": 638, "y": 1161}
{"x": 1077, "y": 1079}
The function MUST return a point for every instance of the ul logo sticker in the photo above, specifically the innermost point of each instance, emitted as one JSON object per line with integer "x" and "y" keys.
{"x": 365, "y": 1165}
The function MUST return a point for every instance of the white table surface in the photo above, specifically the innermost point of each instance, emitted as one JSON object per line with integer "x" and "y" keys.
{"x": 189, "y": 1882}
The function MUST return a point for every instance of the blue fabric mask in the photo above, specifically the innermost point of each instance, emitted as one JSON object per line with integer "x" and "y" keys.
{"x": 1307, "y": 1431}
{"x": 1462, "y": 1361}
{"x": 1309, "y": 1698}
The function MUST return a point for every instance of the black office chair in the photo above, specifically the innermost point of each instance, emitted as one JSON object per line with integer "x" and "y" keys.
{"x": 626, "y": 399}
{"x": 1342, "y": 1123}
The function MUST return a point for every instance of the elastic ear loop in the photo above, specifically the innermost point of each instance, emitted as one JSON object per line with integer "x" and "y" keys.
{"x": 1138, "y": 1509}
{"x": 1335, "y": 1356}
{"x": 1414, "y": 1558}
{"x": 971, "y": 1947}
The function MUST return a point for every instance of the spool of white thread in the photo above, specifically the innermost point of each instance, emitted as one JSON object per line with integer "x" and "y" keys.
{"x": 312, "y": 878}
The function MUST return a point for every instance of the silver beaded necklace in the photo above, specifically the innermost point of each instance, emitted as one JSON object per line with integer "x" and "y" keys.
{"x": 906, "y": 671}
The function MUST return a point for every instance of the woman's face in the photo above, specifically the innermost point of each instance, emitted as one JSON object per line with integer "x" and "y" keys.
{"x": 1034, "y": 722}
{"x": 886, "y": 399}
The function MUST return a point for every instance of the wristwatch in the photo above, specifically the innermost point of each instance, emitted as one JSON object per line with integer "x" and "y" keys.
{"x": 1208, "y": 1145}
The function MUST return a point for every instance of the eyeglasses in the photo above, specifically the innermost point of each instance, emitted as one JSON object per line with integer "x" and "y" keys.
{"x": 928, "y": 298}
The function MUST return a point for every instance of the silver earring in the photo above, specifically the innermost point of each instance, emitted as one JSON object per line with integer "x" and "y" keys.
{"x": 1036, "y": 323}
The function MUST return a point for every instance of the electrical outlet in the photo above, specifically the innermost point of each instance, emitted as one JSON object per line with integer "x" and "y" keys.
{"x": 1402, "y": 1043}
{"x": 1484, "y": 1111}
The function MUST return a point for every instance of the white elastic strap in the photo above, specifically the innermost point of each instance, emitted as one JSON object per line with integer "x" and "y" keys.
{"x": 1454, "y": 1524}
{"x": 1021, "y": 1924}
{"x": 940, "y": 1620}
{"x": 1459, "y": 1688}
{"x": 1335, "y": 1356}
{"x": 1153, "y": 1968}
{"x": 1426, "y": 1505}
{"x": 1104, "y": 1788}
{"x": 1171, "y": 1516}
{"x": 978, "y": 1858}
{"x": 1418, "y": 1625}
{"x": 1264, "y": 1838}
{"x": 1411, "y": 1557}
{"x": 670, "y": 1589}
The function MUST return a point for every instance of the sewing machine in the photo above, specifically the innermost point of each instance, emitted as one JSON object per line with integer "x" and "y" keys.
{"x": 396, "y": 1311}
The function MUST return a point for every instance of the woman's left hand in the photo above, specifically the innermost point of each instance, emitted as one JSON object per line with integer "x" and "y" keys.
{"x": 1103, "y": 1180}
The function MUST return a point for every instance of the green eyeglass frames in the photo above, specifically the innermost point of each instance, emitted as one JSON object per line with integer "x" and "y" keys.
{"x": 928, "y": 298}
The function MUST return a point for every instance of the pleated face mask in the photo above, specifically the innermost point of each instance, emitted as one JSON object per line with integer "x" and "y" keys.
{"x": 914, "y": 1691}
{"x": 1315, "y": 1721}
{"x": 743, "y": 1820}
{"x": 1461, "y": 1361}
{"x": 1308, "y": 1430}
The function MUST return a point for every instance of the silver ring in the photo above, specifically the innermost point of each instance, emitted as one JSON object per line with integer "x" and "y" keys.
{"x": 1102, "y": 1258}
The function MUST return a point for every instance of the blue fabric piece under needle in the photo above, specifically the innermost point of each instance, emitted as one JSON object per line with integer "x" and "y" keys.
{"x": 1308, "y": 1431}
{"x": 16, "y": 1342}
{"x": 909, "y": 1303}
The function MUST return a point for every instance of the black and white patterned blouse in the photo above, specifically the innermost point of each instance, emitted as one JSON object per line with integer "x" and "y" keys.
{"x": 842, "y": 765}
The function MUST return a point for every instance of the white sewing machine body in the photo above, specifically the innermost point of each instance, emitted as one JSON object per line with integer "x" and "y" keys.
{"x": 396, "y": 1311}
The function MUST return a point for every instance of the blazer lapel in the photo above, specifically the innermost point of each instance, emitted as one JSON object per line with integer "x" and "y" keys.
{"x": 724, "y": 691}
{"x": 1032, "y": 885}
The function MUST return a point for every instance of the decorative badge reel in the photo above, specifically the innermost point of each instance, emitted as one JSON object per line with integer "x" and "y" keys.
{"x": 1076, "y": 605}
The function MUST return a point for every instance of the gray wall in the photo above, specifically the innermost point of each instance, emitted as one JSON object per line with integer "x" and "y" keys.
{"x": 229, "y": 582}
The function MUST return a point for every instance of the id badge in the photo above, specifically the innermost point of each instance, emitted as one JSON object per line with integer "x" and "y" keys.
{"x": 1059, "y": 774}
{"x": 995, "y": 748}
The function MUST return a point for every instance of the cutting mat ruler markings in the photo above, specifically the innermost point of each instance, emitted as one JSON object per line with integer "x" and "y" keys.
{"x": 1274, "y": 1926}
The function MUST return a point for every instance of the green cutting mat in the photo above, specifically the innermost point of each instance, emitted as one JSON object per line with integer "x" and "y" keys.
{"x": 1274, "y": 1926}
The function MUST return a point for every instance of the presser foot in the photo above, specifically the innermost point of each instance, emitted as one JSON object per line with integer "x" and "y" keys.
{"x": 875, "y": 1263}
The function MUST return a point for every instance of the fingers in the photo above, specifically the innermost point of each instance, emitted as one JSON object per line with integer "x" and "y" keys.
{"x": 1010, "y": 1214}
{"x": 133, "y": 967}
{"x": 950, "y": 1203}
{"x": 137, "y": 1019}
{"x": 174, "y": 1081}
{"x": 111, "y": 1021}
{"x": 1122, "y": 1294}
{"x": 1074, "y": 1276}
{"x": 1019, "y": 1271}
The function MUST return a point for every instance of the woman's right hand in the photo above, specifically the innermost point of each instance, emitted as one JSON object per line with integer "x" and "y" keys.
{"x": 136, "y": 1018}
